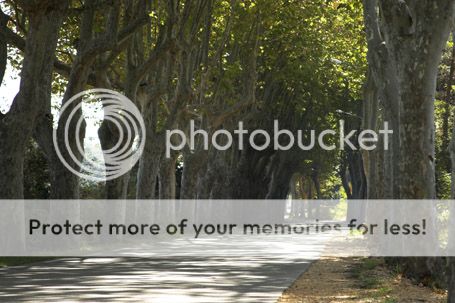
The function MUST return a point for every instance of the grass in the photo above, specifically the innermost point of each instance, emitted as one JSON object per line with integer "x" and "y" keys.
{"x": 367, "y": 282}
{"x": 371, "y": 263}
{"x": 362, "y": 273}
{"x": 15, "y": 261}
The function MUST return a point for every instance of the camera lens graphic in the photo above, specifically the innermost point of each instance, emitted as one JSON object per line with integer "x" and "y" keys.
{"x": 122, "y": 114}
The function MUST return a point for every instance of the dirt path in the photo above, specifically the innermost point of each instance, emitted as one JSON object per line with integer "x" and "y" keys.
{"x": 356, "y": 280}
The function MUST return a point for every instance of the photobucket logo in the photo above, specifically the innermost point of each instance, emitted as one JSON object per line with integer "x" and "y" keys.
{"x": 125, "y": 121}
{"x": 283, "y": 139}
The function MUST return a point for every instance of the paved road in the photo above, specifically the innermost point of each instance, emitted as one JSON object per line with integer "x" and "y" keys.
{"x": 259, "y": 273}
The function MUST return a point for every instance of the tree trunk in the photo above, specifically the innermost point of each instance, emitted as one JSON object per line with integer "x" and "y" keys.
{"x": 281, "y": 176}
{"x": 149, "y": 167}
{"x": 382, "y": 86}
{"x": 167, "y": 178}
{"x": 192, "y": 166}
{"x": 451, "y": 281}
{"x": 108, "y": 135}
{"x": 65, "y": 183}
{"x": 451, "y": 260}
{"x": 3, "y": 44}
{"x": 415, "y": 36}
{"x": 451, "y": 148}
{"x": 452, "y": 159}
{"x": 17, "y": 125}
{"x": 344, "y": 176}
{"x": 117, "y": 188}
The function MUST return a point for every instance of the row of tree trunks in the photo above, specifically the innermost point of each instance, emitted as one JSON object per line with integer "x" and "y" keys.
{"x": 180, "y": 62}
{"x": 65, "y": 183}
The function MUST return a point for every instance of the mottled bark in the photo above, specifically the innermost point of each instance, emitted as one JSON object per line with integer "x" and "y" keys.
{"x": 173, "y": 56}
{"x": 370, "y": 112}
{"x": 381, "y": 91}
{"x": 415, "y": 34}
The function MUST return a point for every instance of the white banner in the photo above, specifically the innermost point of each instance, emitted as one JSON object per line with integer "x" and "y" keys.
{"x": 216, "y": 227}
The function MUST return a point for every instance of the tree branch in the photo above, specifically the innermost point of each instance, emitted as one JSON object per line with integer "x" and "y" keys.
{"x": 3, "y": 45}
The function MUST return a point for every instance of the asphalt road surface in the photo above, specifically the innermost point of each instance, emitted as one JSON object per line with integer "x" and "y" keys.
{"x": 253, "y": 271}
